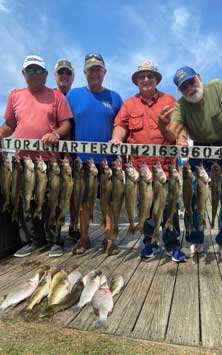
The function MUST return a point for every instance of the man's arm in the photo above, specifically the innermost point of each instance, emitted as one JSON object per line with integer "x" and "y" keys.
{"x": 119, "y": 134}
{"x": 6, "y": 130}
{"x": 63, "y": 131}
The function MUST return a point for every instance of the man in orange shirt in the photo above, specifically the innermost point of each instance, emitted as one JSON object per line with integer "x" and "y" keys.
{"x": 40, "y": 113}
{"x": 137, "y": 121}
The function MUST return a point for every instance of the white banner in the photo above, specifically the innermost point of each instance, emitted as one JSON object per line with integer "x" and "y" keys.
{"x": 201, "y": 152}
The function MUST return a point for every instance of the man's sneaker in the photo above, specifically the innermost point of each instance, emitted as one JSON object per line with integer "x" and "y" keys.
{"x": 26, "y": 250}
{"x": 147, "y": 251}
{"x": 156, "y": 248}
{"x": 176, "y": 255}
{"x": 55, "y": 251}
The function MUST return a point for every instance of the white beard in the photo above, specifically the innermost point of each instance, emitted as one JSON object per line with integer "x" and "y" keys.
{"x": 197, "y": 97}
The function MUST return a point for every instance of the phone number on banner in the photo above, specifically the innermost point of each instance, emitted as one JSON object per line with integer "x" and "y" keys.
{"x": 202, "y": 152}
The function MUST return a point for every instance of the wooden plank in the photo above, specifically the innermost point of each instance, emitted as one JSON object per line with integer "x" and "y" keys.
{"x": 210, "y": 298}
{"x": 183, "y": 326}
{"x": 152, "y": 321}
{"x": 86, "y": 319}
{"x": 130, "y": 302}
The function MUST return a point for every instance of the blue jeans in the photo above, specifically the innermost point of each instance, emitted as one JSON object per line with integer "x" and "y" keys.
{"x": 197, "y": 236}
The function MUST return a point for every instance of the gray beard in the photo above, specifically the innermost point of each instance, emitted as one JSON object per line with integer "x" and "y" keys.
{"x": 197, "y": 97}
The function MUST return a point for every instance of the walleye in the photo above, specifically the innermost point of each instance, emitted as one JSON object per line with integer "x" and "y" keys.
{"x": 17, "y": 171}
{"x": 23, "y": 291}
{"x": 91, "y": 185}
{"x": 40, "y": 189}
{"x": 6, "y": 179}
{"x": 188, "y": 179}
{"x": 116, "y": 285}
{"x": 215, "y": 190}
{"x": 29, "y": 184}
{"x": 159, "y": 200}
{"x": 53, "y": 185}
{"x": 66, "y": 187}
{"x": 132, "y": 177}
{"x": 105, "y": 188}
{"x": 174, "y": 188}
{"x": 42, "y": 289}
{"x": 92, "y": 285}
{"x": 78, "y": 190}
{"x": 65, "y": 293}
{"x": 118, "y": 188}
{"x": 145, "y": 195}
{"x": 102, "y": 303}
{"x": 202, "y": 193}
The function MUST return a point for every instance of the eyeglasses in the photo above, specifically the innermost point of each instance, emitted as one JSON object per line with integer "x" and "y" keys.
{"x": 143, "y": 76}
{"x": 64, "y": 72}
{"x": 94, "y": 55}
{"x": 32, "y": 71}
{"x": 185, "y": 85}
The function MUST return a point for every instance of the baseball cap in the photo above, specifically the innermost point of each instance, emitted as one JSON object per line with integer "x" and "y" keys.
{"x": 183, "y": 74}
{"x": 34, "y": 59}
{"x": 63, "y": 63}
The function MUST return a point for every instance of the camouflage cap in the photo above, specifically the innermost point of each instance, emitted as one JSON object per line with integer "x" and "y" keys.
{"x": 147, "y": 66}
{"x": 63, "y": 63}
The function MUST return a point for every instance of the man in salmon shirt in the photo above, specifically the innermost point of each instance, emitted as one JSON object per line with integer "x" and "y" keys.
{"x": 137, "y": 122}
{"x": 40, "y": 113}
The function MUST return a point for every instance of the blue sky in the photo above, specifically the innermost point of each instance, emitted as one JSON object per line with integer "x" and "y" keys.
{"x": 170, "y": 33}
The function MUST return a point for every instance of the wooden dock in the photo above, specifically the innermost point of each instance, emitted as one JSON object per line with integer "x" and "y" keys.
{"x": 162, "y": 301}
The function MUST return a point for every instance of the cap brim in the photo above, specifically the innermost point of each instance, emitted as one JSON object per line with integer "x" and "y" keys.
{"x": 95, "y": 64}
{"x": 185, "y": 79}
{"x": 34, "y": 63}
{"x": 157, "y": 74}
{"x": 62, "y": 67}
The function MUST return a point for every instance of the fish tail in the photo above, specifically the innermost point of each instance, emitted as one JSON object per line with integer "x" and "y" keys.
{"x": 131, "y": 230}
{"x": 102, "y": 323}
{"x": 76, "y": 308}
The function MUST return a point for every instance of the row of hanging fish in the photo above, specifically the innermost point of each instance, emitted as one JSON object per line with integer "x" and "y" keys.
{"x": 140, "y": 190}
{"x": 62, "y": 291}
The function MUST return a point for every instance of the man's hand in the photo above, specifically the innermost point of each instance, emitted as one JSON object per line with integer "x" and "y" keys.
{"x": 164, "y": 118}
{"x": 115, "y": 141}
{"x": 182, "y": 141}
{"x": 51, "y": 138}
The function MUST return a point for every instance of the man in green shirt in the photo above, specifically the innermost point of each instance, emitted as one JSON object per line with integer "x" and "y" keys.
{"x": 197, "y": 113}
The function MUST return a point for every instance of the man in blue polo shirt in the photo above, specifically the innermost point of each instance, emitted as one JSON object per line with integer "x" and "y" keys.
{"x": 94, "y": 109}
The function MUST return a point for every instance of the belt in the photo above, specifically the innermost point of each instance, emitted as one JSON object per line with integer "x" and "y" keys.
{"x": 216, "y": 144}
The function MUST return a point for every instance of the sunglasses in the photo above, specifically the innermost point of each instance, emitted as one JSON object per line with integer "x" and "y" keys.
{"x": 187, "y": 83}
{"x": 32, "y": 71}
{"x": 94, "y": 55}
{"x": 64, "y": 72}
{"x": 143, "y": 76}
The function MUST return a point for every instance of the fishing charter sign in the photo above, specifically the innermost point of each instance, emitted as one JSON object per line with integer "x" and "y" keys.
{"x": 201, "y": 152}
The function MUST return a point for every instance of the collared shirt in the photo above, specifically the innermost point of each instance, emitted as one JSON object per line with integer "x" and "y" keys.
{"x": 203, "y": 119}
{"x": 32, "y": 115}
{"x": 140, "y": 118}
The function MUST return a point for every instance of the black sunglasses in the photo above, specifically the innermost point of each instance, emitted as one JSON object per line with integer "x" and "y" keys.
{"x": 143, "y": 76}
{"x": 64, "y": 71}
{"x": 185, "y": 85}
{"x": 94, "y": 55}
{"x": 32, "y": 71}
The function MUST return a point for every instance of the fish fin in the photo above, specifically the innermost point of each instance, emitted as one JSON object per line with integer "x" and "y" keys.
{"x": 102, "y": 323}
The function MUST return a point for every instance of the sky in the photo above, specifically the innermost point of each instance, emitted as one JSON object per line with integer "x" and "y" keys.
{"x": 126, "y": 32}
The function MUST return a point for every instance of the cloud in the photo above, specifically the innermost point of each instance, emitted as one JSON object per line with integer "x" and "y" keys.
{"x": 4, "y": 6}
